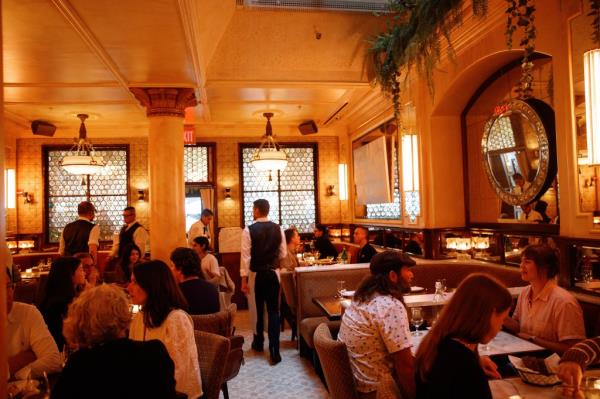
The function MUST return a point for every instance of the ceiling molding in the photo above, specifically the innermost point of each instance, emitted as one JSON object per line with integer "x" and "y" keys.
{"x": 60, "y": 85}
{"x": 55, "y": 102}
{"x": 285, "y": 83}
{"x": 189, "y": 22}
{"x": 80, "y": 27}
{"x": 17, "y": 119}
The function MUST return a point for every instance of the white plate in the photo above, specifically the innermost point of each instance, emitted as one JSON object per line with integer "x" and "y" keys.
{"x": 348, "y": 294}
{"x": 416, "y": 289}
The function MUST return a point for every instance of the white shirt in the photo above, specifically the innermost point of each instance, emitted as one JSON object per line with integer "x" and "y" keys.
{"x": 140, "y": 236}
{"x": 27, "y": 330}
{"x": 210, "y": 264}
{"x": 247, "y": 246}
{"x": 198, "y": 229}
{"x": 372, "y": 331}
{"x": 93, "y": 239}
{"x": 531, "y": 217}
{"x": 177, "y": 334}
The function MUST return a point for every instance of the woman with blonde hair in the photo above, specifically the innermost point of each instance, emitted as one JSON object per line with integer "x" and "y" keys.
{"x": 447, "y": 363}
{"x": 96, "y": 326}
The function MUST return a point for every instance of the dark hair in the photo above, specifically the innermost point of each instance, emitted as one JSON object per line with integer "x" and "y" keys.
{"x": 124, "y": 259}
{"x": 187, "y": 261}
{"x": 262, "y": 205}
{"x": 206, "y": 212}
{"x": 544, "y": 257}
{"x": 289, "y": 234}
{"x": 130, "y": 209}
{"x": 85, "y": 207}
{"x": 380, "y": 282}
{"x": 467, "y": 316}
{"x": 203, "y": 242}
{"x": 366, "y": 230}
{"x": 163, "y": 293}
{"x": 59, "y": 288}
{"x": 322, "y": 228}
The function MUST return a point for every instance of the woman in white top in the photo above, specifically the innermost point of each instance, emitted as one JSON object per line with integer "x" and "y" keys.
{"x": 154, "y": 288}
{"x": 208, "y": 263}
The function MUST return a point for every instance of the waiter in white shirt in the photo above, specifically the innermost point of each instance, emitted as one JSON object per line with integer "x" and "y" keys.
{"x": 201, "y": 228}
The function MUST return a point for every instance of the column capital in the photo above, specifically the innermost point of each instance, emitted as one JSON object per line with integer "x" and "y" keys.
{"x": 165, "y": 101}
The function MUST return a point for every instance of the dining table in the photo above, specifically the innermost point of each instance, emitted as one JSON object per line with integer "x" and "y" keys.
{"x": 332, "y": 305}
{"x": 515, "y": 388}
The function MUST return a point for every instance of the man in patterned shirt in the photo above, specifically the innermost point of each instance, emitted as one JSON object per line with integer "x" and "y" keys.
{"x": 375, "y": 327}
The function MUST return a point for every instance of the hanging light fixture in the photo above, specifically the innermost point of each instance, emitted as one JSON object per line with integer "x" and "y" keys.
{"x": 269, "y": 155}
{"x": 81, "y": 159}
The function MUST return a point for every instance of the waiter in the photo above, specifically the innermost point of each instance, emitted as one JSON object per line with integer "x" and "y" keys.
{"x": 81, "y": 235}
{"x": 131, "y": 233}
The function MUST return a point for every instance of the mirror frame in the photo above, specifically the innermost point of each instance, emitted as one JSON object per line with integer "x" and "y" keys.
{"x": 541, "y": 117}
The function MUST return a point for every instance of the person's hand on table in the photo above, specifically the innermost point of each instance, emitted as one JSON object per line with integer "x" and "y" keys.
{"x": 571, "y": 374}
{"x": 244, "y": 288}
{"x": 489, "y": 367}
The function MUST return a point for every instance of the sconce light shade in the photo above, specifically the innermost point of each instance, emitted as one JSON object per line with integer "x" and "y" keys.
{"x": 596, "y": 220}
{"x": 10, "y": 189}
{"x": 591, "y": 65}
{"x": 227, "y": 193}
{"x": 141, "y": 195}
{"x": 410, "y": 162}
{"x": 330, "y": 190}
{"x": 343, "y": 181}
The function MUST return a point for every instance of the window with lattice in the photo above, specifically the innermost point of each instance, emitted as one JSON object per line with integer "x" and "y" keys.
{"x": 107, "y": 191}
{"x": 291, "y": 192}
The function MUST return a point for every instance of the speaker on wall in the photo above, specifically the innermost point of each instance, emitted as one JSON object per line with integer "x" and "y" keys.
{"x": 308, "y": 127}
{"x": 43, "y": 128}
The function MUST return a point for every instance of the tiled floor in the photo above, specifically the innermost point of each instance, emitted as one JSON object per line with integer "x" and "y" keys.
{"x": 293, "y": 378}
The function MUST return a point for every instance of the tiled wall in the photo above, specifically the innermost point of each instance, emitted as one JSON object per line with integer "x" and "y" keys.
{"x": 30, "y": 178}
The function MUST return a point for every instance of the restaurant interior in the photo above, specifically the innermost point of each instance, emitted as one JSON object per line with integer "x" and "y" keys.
{"x": 173, "y": 103}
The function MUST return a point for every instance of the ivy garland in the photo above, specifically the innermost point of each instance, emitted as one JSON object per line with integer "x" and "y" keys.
{"x": 521, "y": 14}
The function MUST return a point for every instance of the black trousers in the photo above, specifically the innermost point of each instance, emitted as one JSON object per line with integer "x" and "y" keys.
{"x": 266, "y": 290}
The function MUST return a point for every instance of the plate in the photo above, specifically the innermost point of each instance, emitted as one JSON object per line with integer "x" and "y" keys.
{"x": 348, "y": 294}
{"x": 416, "y": 289}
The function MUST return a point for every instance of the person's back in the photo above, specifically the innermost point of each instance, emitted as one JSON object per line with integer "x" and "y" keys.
{"x": 202, "y": 296}
{"x": 121, "y": 368}
{"x": 76, "y": 235}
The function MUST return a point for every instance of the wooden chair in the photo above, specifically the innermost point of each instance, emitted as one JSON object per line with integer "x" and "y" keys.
{"x": 336, "y": 365}
{"x": 288, "y": 286}
{"x": 212, "y": 348}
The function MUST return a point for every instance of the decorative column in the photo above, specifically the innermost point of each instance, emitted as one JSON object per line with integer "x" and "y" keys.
{"x": 165, "y": 108}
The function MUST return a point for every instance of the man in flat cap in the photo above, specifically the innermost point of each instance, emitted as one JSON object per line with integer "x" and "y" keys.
{"x": 375, "y": 328}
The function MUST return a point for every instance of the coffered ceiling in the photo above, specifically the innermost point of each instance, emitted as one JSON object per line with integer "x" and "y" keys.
{"x": 63, "y": 57}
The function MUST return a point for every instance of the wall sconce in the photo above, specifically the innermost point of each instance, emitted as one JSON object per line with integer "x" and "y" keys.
{"x": 227, "y": 193}
{"x": 591, "y": 65}
{"x": 410, "y": 162}
{"x": 27, "y": 197}
{"x": 596, "y": 220}
{"x": 141, "y": 195}
{"x": 330, "y": 190}
{"x": 343, "y": 181}
{"x": 10, "y": 189}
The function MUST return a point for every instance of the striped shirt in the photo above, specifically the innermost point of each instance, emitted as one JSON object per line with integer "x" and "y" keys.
{"x": 584, "y": 353}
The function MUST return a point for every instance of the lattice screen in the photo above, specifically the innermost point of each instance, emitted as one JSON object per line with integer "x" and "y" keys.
{"x": 291, "y": 194}
{"x": 195, "y": 164}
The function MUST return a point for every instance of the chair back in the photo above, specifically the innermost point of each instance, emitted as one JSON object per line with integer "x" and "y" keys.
{"x": 235, "y": 358}
{"x": 333, "y": 356}
{"x": 288, "y": 286}
{"x": 220, "y": 323}
{"x": 212, "y": 349}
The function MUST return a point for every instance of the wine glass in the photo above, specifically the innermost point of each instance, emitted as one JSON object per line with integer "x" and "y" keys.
{"x": 341, "y": 288}
{"x": 417, "y": 318}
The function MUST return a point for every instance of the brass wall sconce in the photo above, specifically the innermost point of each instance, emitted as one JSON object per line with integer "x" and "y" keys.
{"x": 141, "y": 195}
{"x": 330, "y": 190}
{"x": 27, "y": 197}
{"x": 227, "y": 193}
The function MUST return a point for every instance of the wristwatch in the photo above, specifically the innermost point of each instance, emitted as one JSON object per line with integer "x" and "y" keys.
{"x": 531, "y": 338}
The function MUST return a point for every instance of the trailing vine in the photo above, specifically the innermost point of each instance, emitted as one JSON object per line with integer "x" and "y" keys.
{"x": 521, "y": 15}
{"x": 595, "y": 14}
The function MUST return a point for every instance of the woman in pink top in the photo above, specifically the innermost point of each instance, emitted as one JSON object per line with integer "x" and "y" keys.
{"x": 546, "y": 314}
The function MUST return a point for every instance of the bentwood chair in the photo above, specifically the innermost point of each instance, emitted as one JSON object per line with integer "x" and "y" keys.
{"x": 336, "y": 365}
{"x": 212, "y": 348}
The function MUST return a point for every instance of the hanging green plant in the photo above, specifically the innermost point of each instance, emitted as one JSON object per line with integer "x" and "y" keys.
{"x": 413, "y": 40}
{"x": 521, "y": 15}
{"x": 595, "y": 14}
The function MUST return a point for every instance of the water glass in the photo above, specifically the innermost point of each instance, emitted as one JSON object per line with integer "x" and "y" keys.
{"x": 417, "y": 318}
{"x": 591, "y": 387}
{"x": 341, "y": 288}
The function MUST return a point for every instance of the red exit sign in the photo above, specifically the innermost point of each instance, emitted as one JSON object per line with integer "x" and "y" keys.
{"x": 500, "y": 109}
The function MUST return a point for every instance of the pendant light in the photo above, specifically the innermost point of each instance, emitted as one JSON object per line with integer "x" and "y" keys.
{"x": 81, "y": 159}
{"x": 269, "y": 155}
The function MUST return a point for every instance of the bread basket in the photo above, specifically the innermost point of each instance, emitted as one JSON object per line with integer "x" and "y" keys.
{"x": 534, "y": 377}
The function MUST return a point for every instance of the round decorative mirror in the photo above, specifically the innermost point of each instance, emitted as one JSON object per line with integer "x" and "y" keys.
{"x": 519, "y": 153}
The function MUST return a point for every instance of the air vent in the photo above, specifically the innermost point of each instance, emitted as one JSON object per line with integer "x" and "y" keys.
{"x": 336, "y": 115}
{"x": 319, "y": 5}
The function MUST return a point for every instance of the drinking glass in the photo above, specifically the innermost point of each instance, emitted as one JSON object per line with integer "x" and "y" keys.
{"x": 591, "y": 387}
{"x": 444, "y": 287}
{"x": 341, "y": 288}
{"x": 417, "y": 318}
